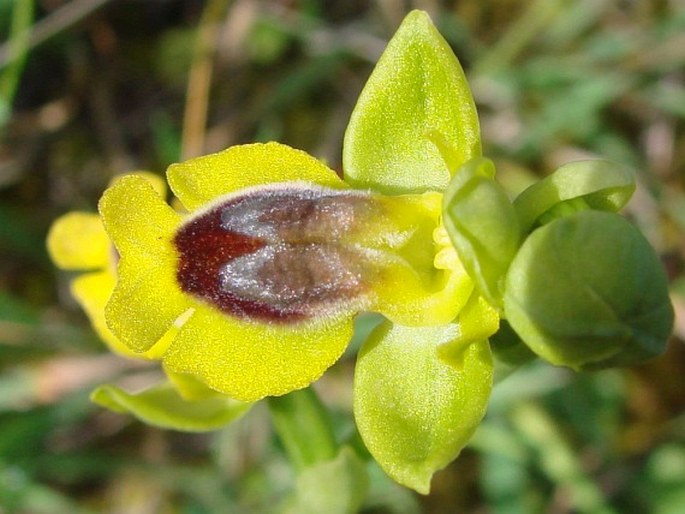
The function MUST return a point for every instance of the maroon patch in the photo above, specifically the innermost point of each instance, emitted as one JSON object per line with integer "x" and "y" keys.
{"x": 276, "y": 254}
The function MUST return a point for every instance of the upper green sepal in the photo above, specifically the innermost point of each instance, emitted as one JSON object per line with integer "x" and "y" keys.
{"x": 587, "y": 291}
{"x": 598, "y": 184}
{"x": 414, "y": 411}
{"x": 163, "y": 406}
{"x": 415, "y": 121}
{"x": 482, "y": 225}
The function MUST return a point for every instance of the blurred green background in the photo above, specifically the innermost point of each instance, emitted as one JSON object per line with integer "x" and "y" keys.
{"x": 93, "y": 88}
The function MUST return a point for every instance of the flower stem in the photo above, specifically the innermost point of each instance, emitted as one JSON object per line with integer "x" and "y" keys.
{"x": 304, "y": 428}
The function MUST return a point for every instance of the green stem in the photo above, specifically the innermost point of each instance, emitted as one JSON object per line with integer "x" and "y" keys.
{"x": 304, "y": 427}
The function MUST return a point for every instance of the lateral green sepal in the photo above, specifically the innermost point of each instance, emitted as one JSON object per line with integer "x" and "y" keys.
{"x": 161, "y": 405}
{"x": 414, "y": 411}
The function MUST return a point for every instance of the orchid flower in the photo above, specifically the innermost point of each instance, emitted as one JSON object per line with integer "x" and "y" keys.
{"x": 251, "y": 288}
{"x": 263, "y": 278}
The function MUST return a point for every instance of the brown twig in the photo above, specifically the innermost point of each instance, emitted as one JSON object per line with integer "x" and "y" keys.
{"x": 200, "y": 80}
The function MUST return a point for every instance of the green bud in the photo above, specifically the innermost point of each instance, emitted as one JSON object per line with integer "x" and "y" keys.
{"x": 587, "y": 291}
{"x": 594, "y": 184}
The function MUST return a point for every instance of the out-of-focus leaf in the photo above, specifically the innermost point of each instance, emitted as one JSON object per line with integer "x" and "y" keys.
{"x": 19, "y": 235}
{"x": 18, "y": 493}
{"x": 558, "y": 460}
{"x": 19, "y": 39}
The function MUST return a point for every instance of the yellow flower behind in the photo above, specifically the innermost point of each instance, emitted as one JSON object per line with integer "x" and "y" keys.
{"x": 77, "y": 242}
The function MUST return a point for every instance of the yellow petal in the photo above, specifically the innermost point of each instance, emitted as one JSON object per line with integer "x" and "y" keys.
{"x": 199, "y": 181}
{"x": 92, "y": 291}
{"x": 137, "y": 219}
{"x": 158, "y": 183}
{"x": 248, "y": 361}
{"x": 146, "y": 300}
{"x": 78, "y": 240}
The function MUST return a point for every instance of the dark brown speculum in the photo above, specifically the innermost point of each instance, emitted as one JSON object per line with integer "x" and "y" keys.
{"x": 277, "y": 254}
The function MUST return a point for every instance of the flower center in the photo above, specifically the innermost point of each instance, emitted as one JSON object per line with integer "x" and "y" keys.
{"x": 281, "y": 253}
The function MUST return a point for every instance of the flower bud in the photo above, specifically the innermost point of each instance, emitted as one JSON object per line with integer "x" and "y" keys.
{"x": 587, "y": 291}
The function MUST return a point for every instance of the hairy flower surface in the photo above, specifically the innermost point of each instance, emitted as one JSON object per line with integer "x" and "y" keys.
{"x": 266, "y": 273}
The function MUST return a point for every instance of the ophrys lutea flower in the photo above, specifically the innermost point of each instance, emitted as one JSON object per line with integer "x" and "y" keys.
{"x": 268, "y": 270}
{"x": 263, "y": 278}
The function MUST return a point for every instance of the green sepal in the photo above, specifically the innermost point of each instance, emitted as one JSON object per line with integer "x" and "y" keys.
{"x": 415, "y": 121}
{"x": 588, "y": 291}
{"x": 600, "y": 184}
{"x": 161, "y": 405}
{"x": 337, "y": 486}
{"x": 482, "y": 225}
{"x": 414, "y": 411}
